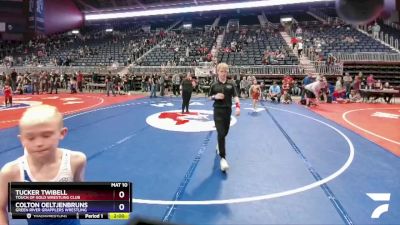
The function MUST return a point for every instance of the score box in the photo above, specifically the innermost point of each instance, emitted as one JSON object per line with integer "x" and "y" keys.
{"x": 81, "y": 216}
{"x": 69, "y": 197}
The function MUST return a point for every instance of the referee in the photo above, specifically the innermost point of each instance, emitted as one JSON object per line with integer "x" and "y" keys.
{"x": 222, "y": 92}
{"x": 187, "y": 89}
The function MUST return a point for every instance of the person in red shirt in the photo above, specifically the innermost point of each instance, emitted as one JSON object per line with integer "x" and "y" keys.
{"x": 7, "y": 94}
{"x": 287, "y": 84}
{"x": 294, "y": 42}
{"x": 80, "y": 81}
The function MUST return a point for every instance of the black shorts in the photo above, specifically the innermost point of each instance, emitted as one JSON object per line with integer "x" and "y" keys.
{"x": 310, "y": 94}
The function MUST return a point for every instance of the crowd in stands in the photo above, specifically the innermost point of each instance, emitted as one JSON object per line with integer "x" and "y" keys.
{"x": 184, "y": 48}
{"x": 92, "y": 47}
{"x": 324, "y": 40}
{"x": 255, "y": 46}
{"x": 249, "y": 45}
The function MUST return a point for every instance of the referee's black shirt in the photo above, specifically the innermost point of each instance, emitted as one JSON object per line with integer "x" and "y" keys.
{"x": 229, "y": 91}
{"x": 187, "y": 85}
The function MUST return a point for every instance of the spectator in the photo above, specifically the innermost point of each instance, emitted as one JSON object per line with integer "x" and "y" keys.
{"x": 243, "y": 85}
{"x": 109, "y": 84}
{"x": 313, "y": 92}
{"x": 338, "y": 84}
{"x": 307, "y": 80}
{"x": 357, "y": 83}
{"x": 378, "y": 85}
{"x": 370, "y": 81}
{"x": 347, "y": 81}
{"x": 162, "y": 84}
{"x": 293, "y": 41}
{"x": 375, "y": 30}
{"x": 153, "y": 87}
{"x": 275, "y": 92}
{"x": 287, "y": 84}
{"x": 80, "y": 81}
{"x": 176, "y": 81}
{"x": 296, "y": 90}
{"x": 300, "y": 47}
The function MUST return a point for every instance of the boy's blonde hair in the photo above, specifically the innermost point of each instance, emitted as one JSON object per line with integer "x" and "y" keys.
{"x": 41, "y": 114}
{"x": 222, "y": 66}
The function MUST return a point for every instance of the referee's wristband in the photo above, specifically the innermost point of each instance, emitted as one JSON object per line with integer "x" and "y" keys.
{"x": 213, "y": 97}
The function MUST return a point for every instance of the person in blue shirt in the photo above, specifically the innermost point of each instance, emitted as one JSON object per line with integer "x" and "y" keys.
{"x": 275, "y": 92}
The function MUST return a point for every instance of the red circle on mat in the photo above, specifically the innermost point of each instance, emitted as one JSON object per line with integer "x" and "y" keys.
{"x": 382, "y": 122}
{"x": 66, "y": 103}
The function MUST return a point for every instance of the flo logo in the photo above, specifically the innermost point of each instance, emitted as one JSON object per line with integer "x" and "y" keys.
{"x": 379, "y": 197}
{"x": 195, "y": 121}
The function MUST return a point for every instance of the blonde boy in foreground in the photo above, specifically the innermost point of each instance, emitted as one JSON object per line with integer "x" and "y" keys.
{"x": 41, "y": 129}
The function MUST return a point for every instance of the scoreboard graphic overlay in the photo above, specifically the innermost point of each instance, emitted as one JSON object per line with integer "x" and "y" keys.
{"x": 64, "y": 200}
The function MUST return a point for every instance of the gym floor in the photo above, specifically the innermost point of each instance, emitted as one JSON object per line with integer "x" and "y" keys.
{"x": 288, "y": 164}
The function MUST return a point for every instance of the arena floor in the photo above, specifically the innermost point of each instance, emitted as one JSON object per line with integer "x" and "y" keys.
{"x": 289, "y": 164}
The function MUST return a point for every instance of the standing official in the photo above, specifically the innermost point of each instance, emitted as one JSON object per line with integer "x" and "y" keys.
{"x": 187, "y": 89}
{"x": 222, "y": 92}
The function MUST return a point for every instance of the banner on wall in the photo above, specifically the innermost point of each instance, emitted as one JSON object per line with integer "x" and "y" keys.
{"x": 40, "y": 15}
{"x": 36, "y": 16}
{"x": 31, "y": 16}
{"x": 2, "y": 26}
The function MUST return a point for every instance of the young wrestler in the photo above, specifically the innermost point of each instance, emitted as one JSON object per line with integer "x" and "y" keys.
{"x": 41, "y": 130}
{"x": 7, "y": 94}
{"x": 255, "y": 92}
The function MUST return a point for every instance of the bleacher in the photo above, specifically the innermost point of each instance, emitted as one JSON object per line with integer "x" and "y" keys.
{"x": 332, "y": 39}
{"x": 175, "y": 46}
{"x": 93, "y": 46}
{"x": 274, "y": 17}
{"x": 331, "y": 12}
{"x": 117, "y": 51}
{"x": 301, "y": 16}
{"x": 392, "y": 32}
{"x": 253, "y": 52}
{"x": 127, "y": 43}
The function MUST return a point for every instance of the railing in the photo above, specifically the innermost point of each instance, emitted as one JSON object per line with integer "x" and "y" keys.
{"x": 261, "y": 20}
{"x": 391, "y": 24}
{"x": 320, "y": 14}
{"x": 216, "y": 21}
{"x": 335, "y": 20}
{"x": 165, "y": 69}
{"x": 233, "y": 70}
{"x": 326, "y": 69}
{"x": 308, "y": 23}
{"x": 390, "y": 40}
{"x": 254, "y": 70}
{"x": 61, "y": 69}
{"x": 269, "y": 23}
{"x": 368, "y": 56}
{"x": 359, "y": 56}
{"x": 267, "y": 70}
